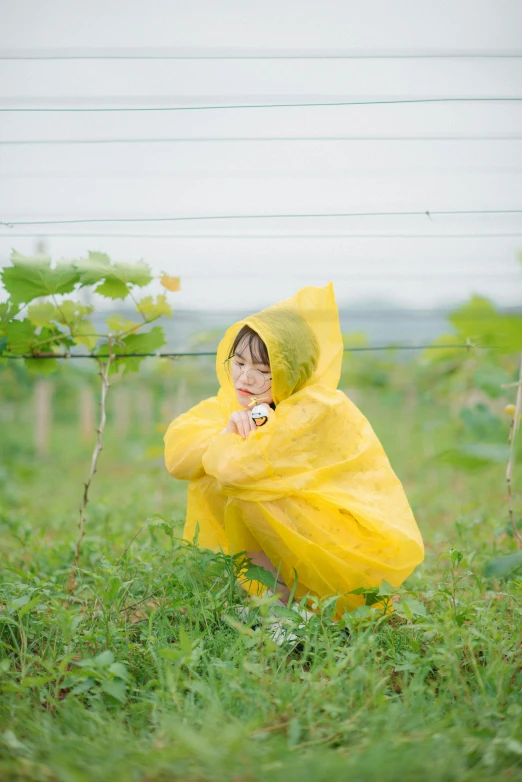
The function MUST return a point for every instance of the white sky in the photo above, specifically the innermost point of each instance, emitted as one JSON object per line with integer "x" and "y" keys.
{"x": 40, "y": 182}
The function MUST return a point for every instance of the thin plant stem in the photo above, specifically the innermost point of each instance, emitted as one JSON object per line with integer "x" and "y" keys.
{"x": 104, "y": 374}
{"x": 511, "y": 460}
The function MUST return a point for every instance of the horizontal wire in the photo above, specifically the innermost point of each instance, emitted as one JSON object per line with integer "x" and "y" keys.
{"x": 68, "y": 356}
{"x": 239, "y": 55}
{"x": 425, "y": 213}
{"x": 260, "y": 173}
{"x": 30, "y": 235}
{"x": 265, "y": 105}
{"x": 257, "y": 139}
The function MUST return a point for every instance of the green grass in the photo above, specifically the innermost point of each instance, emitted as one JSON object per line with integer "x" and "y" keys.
{"x": 138, "y": 674}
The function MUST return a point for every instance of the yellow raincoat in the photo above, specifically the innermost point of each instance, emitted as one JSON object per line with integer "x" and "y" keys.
{"x": 313, "y": 487}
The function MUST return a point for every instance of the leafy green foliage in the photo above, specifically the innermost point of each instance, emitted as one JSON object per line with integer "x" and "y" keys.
{"x": 427, "y": 690}
{"x": 151, "y": 309}
{"x": 476, "y": 455}
{"x": 29, "y": 278}
{"x": 504, "y": 567}
{"x": 146, "y": 342}
{"x": 113, "y": 280}
{"x": 55, "y": 325}
{"x": 479, "y": 322}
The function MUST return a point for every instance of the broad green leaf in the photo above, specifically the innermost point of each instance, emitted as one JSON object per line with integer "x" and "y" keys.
{"x": 85, "y": 334}
{"x": 476, "y": 319}
{"x": 31, "y": 277}
{"x": 409, "y": 607}
{"x": 115, "y": 280}
{"x": 258, "y": 573}
{"x": 483, "y": 424}
{"x": 119, "y": 323}
{"x": 154, "y": 309}
{"x": 146, "y": 343}
{"x": 475, "y": 456}
{"x": 479, "y": 321}
{"x": 8, "y": 311}
{"x": 20, "y": 336}
{"x": 94, "y": 268}
{"x": 42, "y": 313}
{"x": 171, "y": 653}
{"x": 83, "y": 686}
{"x": 104, "y": 659}
{"x": 113, "y": 288}
{"x": 120, "y": 671}
{"x": 41, "y": 366}
{"x": 504, "y": 567}
{"x": 69, "y": 313}
{"x": 117, "y": 689}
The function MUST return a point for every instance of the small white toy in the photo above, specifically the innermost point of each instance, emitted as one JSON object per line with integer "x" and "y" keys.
{"x": 260, "y": 414}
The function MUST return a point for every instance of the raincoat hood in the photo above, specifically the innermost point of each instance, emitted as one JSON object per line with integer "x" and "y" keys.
{"x": 304, "y": 342}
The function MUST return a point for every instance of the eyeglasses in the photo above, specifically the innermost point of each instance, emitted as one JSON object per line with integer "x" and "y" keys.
{"x": 255, "y": 377}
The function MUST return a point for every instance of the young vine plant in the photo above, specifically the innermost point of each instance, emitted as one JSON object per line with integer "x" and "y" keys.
{"x": 43, "y": 320}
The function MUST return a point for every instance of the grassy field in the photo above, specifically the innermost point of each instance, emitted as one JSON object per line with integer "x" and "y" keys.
{"x": 139, "y": 674}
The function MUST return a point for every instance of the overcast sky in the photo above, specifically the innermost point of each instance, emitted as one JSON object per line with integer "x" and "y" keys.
{"x": 409, "y": 260}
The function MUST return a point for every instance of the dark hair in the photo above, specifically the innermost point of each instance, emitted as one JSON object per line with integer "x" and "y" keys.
{"x": 258, "y": 349}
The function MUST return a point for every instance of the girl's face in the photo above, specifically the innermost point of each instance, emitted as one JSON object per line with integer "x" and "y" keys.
{"x": 250, "y": 378}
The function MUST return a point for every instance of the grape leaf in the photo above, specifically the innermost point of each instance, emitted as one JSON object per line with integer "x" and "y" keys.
{"x": 115, "y": 279}
{"x": 151, "y": 309}
{"x": 113, "y": 288}
{"x": 170, "y": 283}
{"x": 20, "y": 336}
{"x": 85, "y": 334}
{"x": 94, "y": 268}
{"x": 42, "y": 313}
{"x": 8, "y": 310}
{"x": 147, "y": 342}
{"x": 70, "y": 313}
{"x": 119, "y": 323}
{"x": 28, "y": 278}
{"x": 41, "y": 366}
{"x": 49, "y": 339}
{"x": 445, "y": 351}
{"x": 479, "y": 321}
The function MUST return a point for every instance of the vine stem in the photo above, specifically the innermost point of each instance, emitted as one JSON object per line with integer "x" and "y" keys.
{"x": 104, "y": 374}
{"x": 511, "y": 460}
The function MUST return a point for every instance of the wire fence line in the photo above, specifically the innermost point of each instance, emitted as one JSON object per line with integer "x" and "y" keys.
{"x": 257, "y": 139}
{"x": 161, "y": 54}
{"x": 29, "y": 234}
{"x": 188, "y": 218}
{"x": 181, "y": 354}
{"x": 229, "y": 106}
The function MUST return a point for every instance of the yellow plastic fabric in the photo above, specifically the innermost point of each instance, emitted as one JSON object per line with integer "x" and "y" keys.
{"x": 313, "y": 487}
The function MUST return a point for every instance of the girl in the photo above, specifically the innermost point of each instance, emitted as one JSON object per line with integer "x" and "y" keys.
{"x": 311, "y": 491}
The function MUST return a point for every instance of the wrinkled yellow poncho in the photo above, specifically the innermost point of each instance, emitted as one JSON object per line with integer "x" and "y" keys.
{"x": 313, "y": 487}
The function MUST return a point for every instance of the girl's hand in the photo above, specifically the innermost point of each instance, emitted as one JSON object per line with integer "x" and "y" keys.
{"x": 240, "y": 422}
